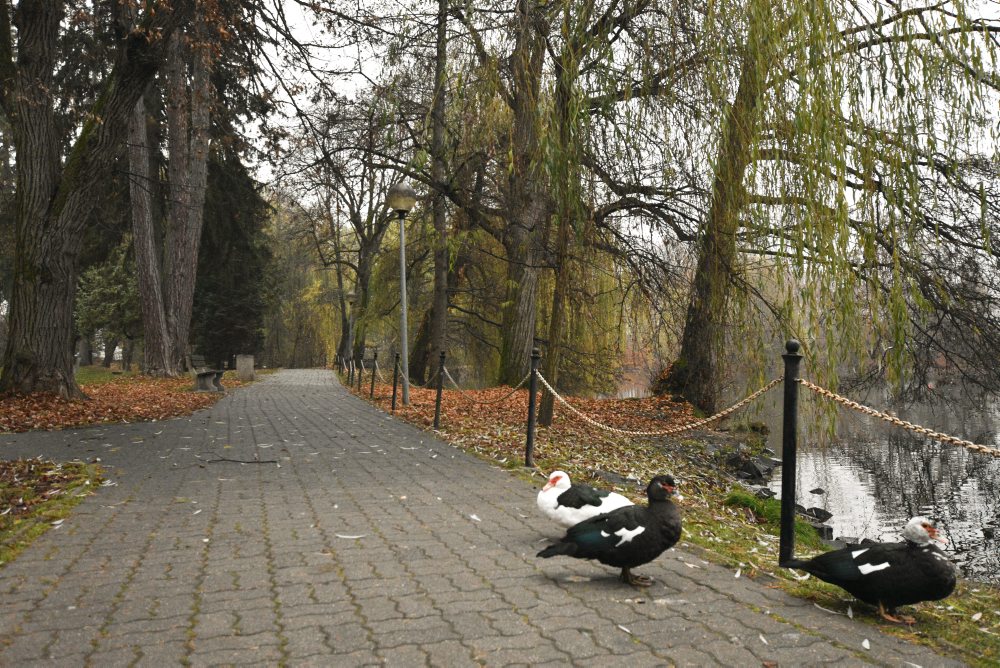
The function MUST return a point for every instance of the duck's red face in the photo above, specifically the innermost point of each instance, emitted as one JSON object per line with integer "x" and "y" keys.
{"x": 670, "y": 488}
{"x": 933, "y": 533}
{"x": 553, "y": 481}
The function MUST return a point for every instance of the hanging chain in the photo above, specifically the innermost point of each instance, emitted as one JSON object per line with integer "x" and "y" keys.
{"x": 892, "y": 419}
{"x": 469, "y": 397}
{"x": 665, "y": 432}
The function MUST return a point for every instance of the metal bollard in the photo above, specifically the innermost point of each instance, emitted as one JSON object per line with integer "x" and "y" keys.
{"x": 395, "y": 379}
{"x": 529, "y": 446}
{"x": 789, "y": 444}
{"x": 371, "y": 393}
{"x": 437, "y": 402}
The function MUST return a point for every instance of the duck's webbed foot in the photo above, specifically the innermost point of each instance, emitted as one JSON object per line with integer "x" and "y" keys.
{"x": 894, "y": 617}
{"x": 635, "y": 580}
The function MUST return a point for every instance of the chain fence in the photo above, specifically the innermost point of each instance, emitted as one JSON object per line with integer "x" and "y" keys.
{"x": 821, "y": 391}
{"x": 469, "y": 397}
{"x": 665, "y": 432}
{"x": 429, "y": 385}
{"x": 378, "y": 373}
{"x": 892, "y": 419}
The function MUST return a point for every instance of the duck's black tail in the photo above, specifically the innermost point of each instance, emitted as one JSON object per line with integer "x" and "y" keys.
{"x": 568, "y": 549}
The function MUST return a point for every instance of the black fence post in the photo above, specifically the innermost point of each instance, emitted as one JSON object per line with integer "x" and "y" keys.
{"x": 361, "y": 372}
{"x": 371, "y": 393}
{"x": 789, "y": 444}
{"x": 529, "y": 447}
{"x": 395, "y": 379}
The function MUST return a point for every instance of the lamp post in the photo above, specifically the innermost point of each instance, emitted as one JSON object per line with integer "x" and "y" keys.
{"x": 401, "y": 198}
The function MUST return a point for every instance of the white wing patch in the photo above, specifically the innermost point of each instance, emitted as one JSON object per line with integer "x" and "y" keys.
{"x": 858, "y": 553}
{"x": 627, "y": 535}
{"x": 871, "y": 568}
{"x": 605, "y": 534}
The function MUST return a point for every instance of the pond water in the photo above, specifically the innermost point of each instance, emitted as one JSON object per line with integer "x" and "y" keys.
{"x": 875, "y": 475}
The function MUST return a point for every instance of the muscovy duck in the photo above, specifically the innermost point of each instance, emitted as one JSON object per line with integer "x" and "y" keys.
{"x": 626, "y": 537}
{"x": 888, "y": 574}
{"x": 570, "y": 504}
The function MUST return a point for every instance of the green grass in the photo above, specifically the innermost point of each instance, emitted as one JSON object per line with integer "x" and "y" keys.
{"x": 768, "y": 513}
{"x": 98, "y": 375}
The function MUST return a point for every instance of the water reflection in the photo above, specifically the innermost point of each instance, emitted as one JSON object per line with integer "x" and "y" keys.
{"x": 877, "y": 475}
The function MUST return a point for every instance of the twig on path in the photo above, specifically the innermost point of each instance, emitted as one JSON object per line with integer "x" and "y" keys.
{"x": 239, "y": 461}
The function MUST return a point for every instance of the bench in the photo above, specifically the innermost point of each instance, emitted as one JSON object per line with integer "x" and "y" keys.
{"x": 205, "y": 379}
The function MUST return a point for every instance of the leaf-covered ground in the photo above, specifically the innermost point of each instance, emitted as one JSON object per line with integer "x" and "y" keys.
{"x": 491, "y": 424}
{"x": 35, "y": 494}
{"x": 125, "y": 398}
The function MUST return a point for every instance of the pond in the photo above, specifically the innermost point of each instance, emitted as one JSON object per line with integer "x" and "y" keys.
{"x": 875, "y": 475}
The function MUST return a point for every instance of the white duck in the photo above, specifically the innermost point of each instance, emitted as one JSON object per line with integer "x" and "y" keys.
{"x": 570, "y": 504}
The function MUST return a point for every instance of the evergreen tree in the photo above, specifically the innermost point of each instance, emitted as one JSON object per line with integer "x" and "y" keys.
{"x": 233, "y": 265}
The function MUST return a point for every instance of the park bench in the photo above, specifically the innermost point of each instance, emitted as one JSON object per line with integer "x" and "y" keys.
{"x": 205, "y": 379}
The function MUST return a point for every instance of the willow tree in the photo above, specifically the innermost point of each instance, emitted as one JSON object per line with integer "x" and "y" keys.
{"x": 836, "y": 158}
{"x": 55, "y": 196}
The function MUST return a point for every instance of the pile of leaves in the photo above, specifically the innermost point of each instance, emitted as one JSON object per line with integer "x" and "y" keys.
{"x": 123, "y": 399}
{"x": 491, "y": 423}
{"x": 36, "y": 495}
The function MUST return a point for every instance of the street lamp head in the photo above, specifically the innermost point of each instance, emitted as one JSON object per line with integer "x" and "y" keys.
{"x": 401, "y": 198}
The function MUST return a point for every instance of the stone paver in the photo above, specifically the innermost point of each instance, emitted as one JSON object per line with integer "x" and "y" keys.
{"x": 363, "y": 542}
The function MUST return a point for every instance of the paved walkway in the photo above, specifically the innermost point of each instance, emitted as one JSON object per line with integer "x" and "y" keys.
{"x": 370, "y": 542}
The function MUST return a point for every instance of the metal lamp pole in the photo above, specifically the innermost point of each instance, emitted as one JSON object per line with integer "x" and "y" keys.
{"x": 401, "y": 198}
{"x": 404, "y": 356}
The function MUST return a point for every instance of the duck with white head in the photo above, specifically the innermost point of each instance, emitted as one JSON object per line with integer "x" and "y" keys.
{"x": 888, "y": 575}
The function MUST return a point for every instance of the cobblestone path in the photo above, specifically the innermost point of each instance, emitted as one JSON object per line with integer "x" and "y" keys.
{"x": 366, "y": 542}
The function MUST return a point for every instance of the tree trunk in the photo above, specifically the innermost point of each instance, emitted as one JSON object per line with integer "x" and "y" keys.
{"x": 54, "y": 199}
{"x": 420, "y": 364}
{"x": 346, "y": 343}
{"x": 362, "y": 299}
{"x": 109, "y": 352}
{"x": 158, "y": 360}
{"x": 127, "y": 352}
{"x": 528, "y": 204}
{"x": 439, "y": 308}
{"x": 696, "y": 373}
{"x": 567, "y": 179}
{"x": 85, "y": 352}
{"x": 188, "y": 116}
{"x": 560, "y": 292}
